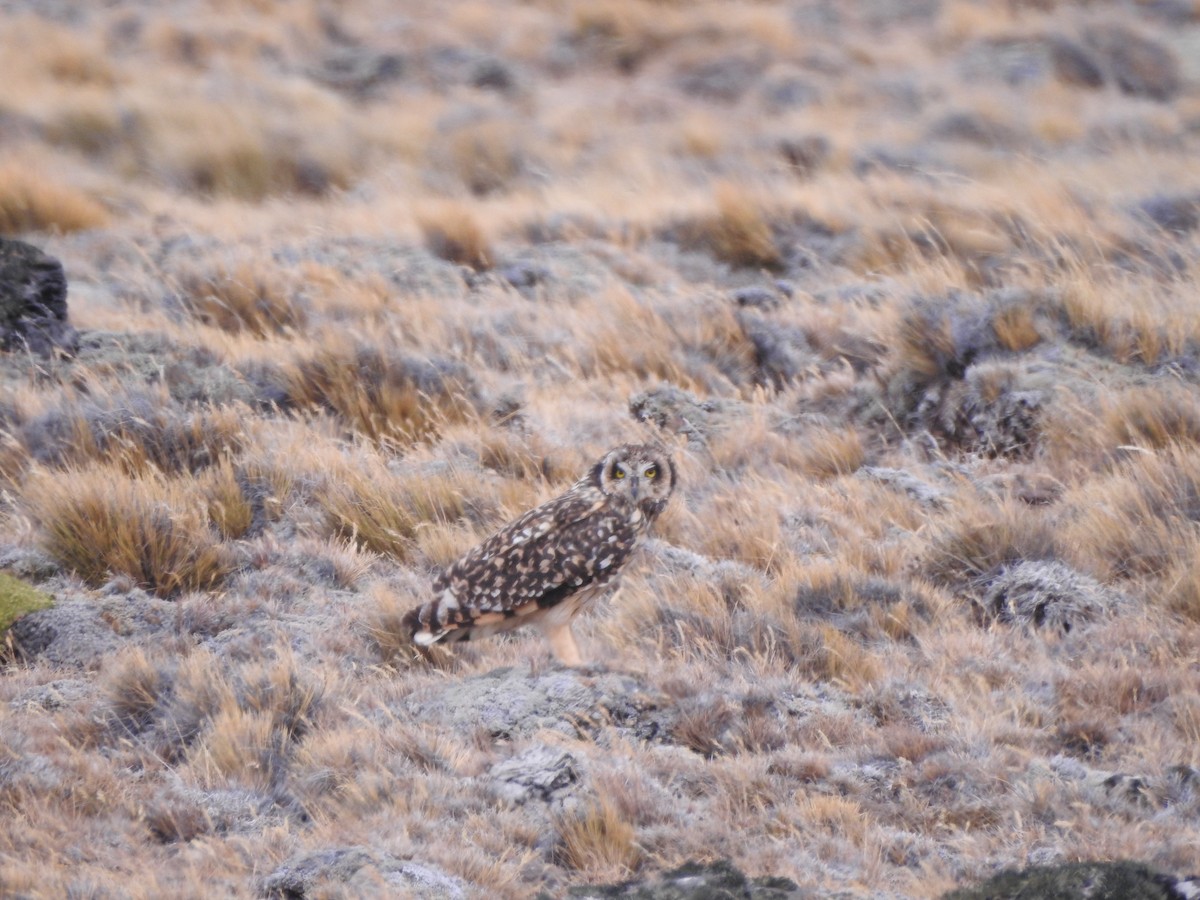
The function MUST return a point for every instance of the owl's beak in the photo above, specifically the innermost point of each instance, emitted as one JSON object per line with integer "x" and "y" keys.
{"x": 634, "y": 487}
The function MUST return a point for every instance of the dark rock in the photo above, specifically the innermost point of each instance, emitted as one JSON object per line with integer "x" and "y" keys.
{"x": 724, "y": 79}
{"x": 1172, "y": 212}
{"x": 697, "y": 881}
{"x": 33, "y": 301}
{"x": 1122, "y": 880}
{"x": 358, "y": 872}
{"x": 1140, "y": 66}
{"x": 1074, "y": 65}
{"x": 805, "y": 154}
{"x": 759, "y": 297}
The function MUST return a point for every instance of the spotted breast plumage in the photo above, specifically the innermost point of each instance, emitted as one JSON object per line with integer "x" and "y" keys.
{"x": 550, "y": 564}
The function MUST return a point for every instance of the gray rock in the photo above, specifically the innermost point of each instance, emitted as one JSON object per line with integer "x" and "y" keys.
{"x": 359, "y": 872}
{"x": 1045, "y": 593}
{"x": 922, "y": 491}
{"x": 1140, "y": 66}
{"x": 1178, "y": 213}
{"x": 1121, "y": 880}
{"x": 544, "y": 773}
{"x": 698, "y": 881}
{"x": 721, "y": 79}
{"x": 33, "y": 301}
{"x": 82, "y": 631}
{"x": 510, "y": 703}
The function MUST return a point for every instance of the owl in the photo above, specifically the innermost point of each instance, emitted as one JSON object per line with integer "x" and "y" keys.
{"x": 552, "y": 563}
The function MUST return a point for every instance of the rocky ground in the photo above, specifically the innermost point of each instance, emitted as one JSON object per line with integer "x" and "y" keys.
{"x": 909, "y": 290}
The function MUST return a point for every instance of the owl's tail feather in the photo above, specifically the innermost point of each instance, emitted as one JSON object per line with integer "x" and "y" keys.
{"x": 423, "y": 627}
{"x": 436, "y": 622}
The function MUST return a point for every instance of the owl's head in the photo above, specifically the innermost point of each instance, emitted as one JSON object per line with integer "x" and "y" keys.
{"x": 642, "y": 474}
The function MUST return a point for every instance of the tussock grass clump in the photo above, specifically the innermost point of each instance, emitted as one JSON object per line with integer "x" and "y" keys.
{"x": 486, "y": 155}
{"x": 225, "y": 147}
{"x": 247, "y": 296}
{"x": 97, "y": 521}
{"x": 981, "y": 538}
{"x": 32, "y": 202}
{"x": 386, "y": 513}
{"x": 1145, "y": 528}
{"x": 738, "y": 232}
{"x": 229, "y": 508}
{"x": 381, "y": 394}
{"x": 452, "y": 232}
{"x": 598, "y": 840}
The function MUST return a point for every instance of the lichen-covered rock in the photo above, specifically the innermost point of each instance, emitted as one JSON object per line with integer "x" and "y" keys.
{"x": 33, "y": 301}
{"x": 1122, "y": 880}
{"x": 508, "y": 703}
{"x": 698, "y": 881}
{"x": 358, "y": 872}
{"x": 1046, "y": 594}
{"x": 83, "y": 631}
{"x": 18, "y": 599}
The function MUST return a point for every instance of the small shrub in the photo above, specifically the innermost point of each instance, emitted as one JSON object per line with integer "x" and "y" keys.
{"x": 18, "y": 598}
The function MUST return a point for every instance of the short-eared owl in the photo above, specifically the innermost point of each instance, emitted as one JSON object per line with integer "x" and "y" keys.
{"x": 550, "y": 564}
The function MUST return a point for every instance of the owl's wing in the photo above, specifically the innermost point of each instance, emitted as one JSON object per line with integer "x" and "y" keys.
{"x": 534, "y": 563}
{"x": 540, "y": 558}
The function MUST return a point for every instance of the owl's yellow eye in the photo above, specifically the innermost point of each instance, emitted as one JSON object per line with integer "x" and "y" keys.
{"x": 618, "y": 473}
{"x": 651, "y": 472}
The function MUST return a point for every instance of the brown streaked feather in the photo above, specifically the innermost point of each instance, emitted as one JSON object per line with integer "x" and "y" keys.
{"x": 558, "y": 557}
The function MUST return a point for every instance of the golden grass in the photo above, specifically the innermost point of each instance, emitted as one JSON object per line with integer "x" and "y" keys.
{"x": 253, "y": 296}
{"x": 383, "y": 512}
{"x": 30, "y": 201}
{"x": 793, "y": 675}
{"x": 598, "y": 841}
{"x": 452, "y": 232}
{"x": 98, "y": 521}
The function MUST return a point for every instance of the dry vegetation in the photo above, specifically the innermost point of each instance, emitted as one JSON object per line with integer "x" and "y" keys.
{"x": 912, "y": 290}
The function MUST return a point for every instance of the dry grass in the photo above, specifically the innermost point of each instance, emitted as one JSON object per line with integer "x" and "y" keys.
{"x": 98, "y": 521}
{"x": 452, "y": 232}
{"x": 30, "y": 201}
{"x": 911, "y": 307}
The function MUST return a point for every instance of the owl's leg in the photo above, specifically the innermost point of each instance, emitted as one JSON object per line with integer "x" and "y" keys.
{"x": 562, "y": 642}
